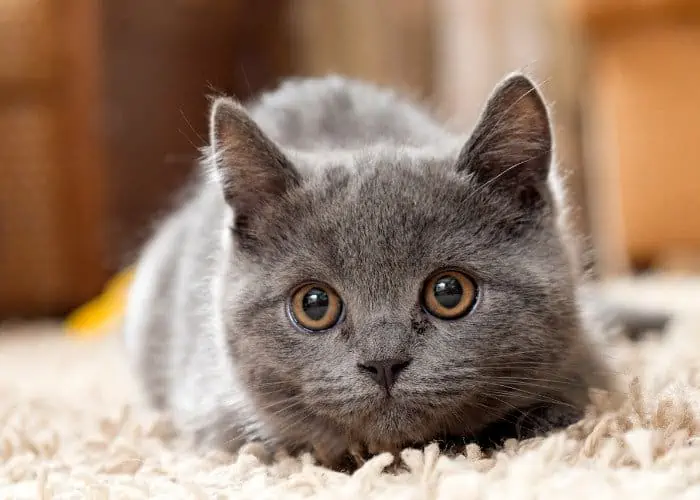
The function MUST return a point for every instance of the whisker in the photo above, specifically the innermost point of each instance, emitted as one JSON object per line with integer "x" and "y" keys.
{"x": 560, "y": 380}
{"x": 270, "y": 406}
{"x": 189, "y": 124}
{"x": 304, "y": 417}
{"x": 525, "y": 383}
{"x": 539, "y": 397}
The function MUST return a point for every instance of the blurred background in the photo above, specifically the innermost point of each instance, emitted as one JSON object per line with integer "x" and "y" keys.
{"x": 103, "y": 106}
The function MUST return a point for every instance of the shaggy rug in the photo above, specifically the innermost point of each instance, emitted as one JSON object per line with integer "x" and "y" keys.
{"x": 71, "y": 427}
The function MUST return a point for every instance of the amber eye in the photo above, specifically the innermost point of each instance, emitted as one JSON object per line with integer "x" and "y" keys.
{"x": 449, "y": 294}
{"x": 315, "y": 307}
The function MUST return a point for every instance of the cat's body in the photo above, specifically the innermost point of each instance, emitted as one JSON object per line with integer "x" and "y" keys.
{"x": 353, "y": 187}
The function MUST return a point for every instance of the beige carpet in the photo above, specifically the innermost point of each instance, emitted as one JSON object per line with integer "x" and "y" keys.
{"x": 70, "y": 427}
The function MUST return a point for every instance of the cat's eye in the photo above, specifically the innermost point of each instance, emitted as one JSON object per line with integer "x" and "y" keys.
{"x": 315, "y": 307}
{"x": 449, "y": 294}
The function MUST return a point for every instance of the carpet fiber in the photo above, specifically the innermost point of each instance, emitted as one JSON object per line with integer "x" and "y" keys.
{"x": 71, "y": 427}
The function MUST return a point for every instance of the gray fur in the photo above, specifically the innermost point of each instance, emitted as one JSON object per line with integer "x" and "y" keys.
{"x": 339, "y": 181}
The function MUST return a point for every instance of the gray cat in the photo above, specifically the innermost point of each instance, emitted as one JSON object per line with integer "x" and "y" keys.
{"x": 350, "y": 277}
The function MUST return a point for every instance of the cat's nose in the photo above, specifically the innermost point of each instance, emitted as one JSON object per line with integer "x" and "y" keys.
{"x": 384, "y": 371}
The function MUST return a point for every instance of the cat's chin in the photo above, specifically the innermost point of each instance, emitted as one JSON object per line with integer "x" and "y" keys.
{"x": 387, "y": 424}
{"x": 385, "y": 434}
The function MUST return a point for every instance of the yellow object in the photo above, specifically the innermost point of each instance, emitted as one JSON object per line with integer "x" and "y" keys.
{"x": 96, "y": 316}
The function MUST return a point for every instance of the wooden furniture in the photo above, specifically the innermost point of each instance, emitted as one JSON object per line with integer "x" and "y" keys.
{"x": 103, "y": 105}
{"x": 162, "y": 65}
{"x": 643, "y": 130}
{"x": 51, "y": 193}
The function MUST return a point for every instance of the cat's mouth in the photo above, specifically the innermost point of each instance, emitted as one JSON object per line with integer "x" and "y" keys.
{"x": 397, "y": 424}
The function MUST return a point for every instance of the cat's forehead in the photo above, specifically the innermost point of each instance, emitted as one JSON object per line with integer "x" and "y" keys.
{"x": 390, "y": 213}
{"x": 382, "y": 178}
{"x": 387, "y": 193}
{"x": 381, "y": 228}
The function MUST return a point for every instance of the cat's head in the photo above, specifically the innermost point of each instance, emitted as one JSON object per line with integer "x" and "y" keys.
{"x": 391, "y": 296}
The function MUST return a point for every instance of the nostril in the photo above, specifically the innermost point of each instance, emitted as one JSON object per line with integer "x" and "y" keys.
{"x": 400, "y": 366}
{"x": 369, "y": 369}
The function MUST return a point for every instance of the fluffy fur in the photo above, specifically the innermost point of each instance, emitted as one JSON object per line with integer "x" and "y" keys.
{"x": 341, "y": 182}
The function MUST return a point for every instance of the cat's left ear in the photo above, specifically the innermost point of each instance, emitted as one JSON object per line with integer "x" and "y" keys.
{"x": 510, "y": 150}
{"x": 252, "y": 170}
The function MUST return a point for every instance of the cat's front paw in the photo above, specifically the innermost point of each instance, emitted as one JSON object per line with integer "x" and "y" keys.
{"x": 541, "y": 420}
{"x": 530, "y": 422}
{"x": 349, "y": 456}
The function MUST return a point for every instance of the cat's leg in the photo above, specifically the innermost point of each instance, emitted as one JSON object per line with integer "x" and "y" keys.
{"x": 147, "y": 324}
{"x": 635, "y": 322}
{"x": 613, "y": 316}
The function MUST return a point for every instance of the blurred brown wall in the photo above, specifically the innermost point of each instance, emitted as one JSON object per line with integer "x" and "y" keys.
{"x": 50, "y": 163}
{"x": 642, "y": 95}
{"x": 160, "y": 66}
{"x": 102, "y": 108}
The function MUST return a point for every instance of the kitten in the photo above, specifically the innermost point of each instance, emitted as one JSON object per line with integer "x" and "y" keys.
{"x": 351, "y": 277}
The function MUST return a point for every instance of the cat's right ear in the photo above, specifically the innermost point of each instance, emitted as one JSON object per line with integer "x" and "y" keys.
{"x": 510, "y": 150}
{"x": 250, "y": 167}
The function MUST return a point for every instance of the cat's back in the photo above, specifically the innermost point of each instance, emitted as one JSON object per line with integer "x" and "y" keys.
{"x": 334, "y": 112}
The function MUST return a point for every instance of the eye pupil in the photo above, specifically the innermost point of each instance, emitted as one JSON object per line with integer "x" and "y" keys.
{"x": 448, "y": 292}
{"x": 315, "y": 304}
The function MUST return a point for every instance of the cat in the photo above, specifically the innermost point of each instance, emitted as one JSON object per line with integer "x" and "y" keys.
{"x": 349, "y": 276}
